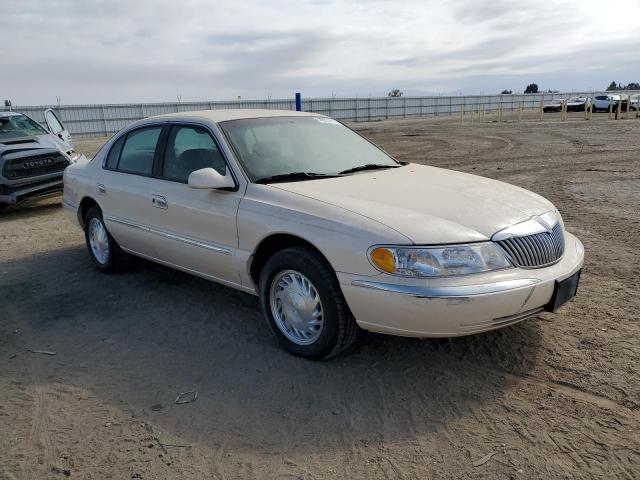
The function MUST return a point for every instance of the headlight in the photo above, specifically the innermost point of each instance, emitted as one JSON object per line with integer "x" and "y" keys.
{"x": 73, "y": 156}
{"x": 439, "y": 261}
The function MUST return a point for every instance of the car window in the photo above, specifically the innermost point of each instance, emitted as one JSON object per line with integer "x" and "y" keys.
{"x": 19, "y": 125}
{"x": 138, "y": 151}
{"x": 281, "y": 145}
{"x": 114, "y": 153}
{"x": 53, "y": 122}
{"x": 189, "y": 149}
{"x": 600, "y": 97}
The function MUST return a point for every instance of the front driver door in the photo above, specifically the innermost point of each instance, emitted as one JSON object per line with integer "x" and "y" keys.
{"x": 55, "y": 126}
{"x": 195, "y": 229}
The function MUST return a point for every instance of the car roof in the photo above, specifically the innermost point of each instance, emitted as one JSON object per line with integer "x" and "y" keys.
{"x": 10, "y": 114}
{"x": 222, "y": 115}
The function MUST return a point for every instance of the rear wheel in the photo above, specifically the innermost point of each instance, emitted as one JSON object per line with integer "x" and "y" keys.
{"x": 304, "y": 306}
{"x": 105, "y": 252}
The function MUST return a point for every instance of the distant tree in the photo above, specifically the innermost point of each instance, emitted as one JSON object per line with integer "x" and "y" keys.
{"x": 395, "y": 93}
{"x": 531, "y": 88}
{"x": 619, "y": 86}
{"x": 612, "y": 86}
{"x": 507, "y": 92}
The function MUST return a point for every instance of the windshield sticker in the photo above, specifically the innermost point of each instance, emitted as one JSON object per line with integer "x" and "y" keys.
{"x": 326, "y": 120}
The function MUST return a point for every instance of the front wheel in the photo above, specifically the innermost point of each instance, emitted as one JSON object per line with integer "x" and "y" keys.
{"x": 304, "y": 306}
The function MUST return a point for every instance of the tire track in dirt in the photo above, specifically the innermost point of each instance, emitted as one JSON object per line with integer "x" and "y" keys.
{"x": 40, "y": 435}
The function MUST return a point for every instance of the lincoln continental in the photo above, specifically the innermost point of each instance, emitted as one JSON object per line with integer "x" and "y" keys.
{"x": 330, "y": 232}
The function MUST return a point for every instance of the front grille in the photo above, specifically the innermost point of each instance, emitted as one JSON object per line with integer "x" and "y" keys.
{"x": 537, "y": 250}
{"x": 35, "y": 165}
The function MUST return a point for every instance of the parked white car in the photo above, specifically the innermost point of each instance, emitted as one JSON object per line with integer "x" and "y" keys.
{"x": 327, "y": 229}
{"x": 602, "y": 102}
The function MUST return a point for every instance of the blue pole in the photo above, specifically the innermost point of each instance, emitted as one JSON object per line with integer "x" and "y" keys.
{"x": 298, "y": 102}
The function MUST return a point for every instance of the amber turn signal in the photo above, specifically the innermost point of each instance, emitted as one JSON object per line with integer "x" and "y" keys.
{"x": 383, "y": 259}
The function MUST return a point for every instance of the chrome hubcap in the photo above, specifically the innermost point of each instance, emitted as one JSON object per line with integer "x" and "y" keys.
{"x": 296, "y": 307}
{"x": 99, "y": 241}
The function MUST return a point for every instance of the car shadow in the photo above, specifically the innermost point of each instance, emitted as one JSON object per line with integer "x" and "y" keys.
{"x": 31, "y": 208}
{"x": 139, "y": 338}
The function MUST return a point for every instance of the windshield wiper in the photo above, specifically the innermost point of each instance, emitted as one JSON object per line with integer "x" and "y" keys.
{"x": 368, "y": 166}
{"x": 293, "y": 176}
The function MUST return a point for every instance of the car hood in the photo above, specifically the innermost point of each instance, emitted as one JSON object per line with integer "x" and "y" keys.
{"x": 428, "y": 205}
{"x": 47, "y": 141}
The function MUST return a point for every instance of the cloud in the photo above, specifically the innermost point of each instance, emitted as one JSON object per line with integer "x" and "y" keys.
{"x": 152, "y": 50}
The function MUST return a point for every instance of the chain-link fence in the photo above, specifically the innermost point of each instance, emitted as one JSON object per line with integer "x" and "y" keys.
{"x": 100, "y": 120}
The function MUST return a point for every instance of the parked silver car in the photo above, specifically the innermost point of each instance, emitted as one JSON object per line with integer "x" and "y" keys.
{"x": 32, "y": 157}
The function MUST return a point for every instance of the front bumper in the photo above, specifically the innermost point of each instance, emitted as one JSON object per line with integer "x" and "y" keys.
{"x": 454, "y": 306}
{"x": 14, "y": 193}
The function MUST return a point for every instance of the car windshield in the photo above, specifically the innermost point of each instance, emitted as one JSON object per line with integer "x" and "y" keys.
{"x": 304, "y": 147}
{"x": 12, "y": 126}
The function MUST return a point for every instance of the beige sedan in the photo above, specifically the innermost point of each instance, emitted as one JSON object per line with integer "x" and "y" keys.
{"x": 327, "y": 229}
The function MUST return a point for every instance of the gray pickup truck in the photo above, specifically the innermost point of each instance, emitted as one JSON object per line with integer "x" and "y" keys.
{"x": 32, "y": 157}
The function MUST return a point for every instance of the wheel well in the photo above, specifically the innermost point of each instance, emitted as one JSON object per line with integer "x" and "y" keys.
{"x": 273, "y": 244}
{"x": 85, "y": 205}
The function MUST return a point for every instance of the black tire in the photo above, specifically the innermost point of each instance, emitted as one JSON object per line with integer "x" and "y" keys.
{"x": 340, "y": 329}
{"x": 116, "y": 257}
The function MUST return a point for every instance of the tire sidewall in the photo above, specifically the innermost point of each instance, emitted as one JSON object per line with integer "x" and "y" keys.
{"x": 292, "y": 260}
{"x": 94, "y": 212}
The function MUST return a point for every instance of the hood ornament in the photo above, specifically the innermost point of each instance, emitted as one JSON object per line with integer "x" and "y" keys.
{"x": 538, "y": 224}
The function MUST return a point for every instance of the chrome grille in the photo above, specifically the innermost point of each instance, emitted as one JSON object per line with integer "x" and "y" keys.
{"x": 537, "y": 250}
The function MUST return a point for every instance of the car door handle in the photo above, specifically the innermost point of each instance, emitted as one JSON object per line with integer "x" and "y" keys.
{"x": 159, "y": 201}
{"x": 101, "y": 188}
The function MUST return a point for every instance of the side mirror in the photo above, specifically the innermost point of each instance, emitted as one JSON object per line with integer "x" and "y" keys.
{"x": 211, "y": 179}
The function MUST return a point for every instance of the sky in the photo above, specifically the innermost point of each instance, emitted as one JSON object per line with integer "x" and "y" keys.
{"x": 116, "y": 51}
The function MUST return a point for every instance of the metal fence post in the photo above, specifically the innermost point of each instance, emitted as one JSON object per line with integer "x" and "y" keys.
{"x": 298, "y": 102}
{"x": 104, "y": 122}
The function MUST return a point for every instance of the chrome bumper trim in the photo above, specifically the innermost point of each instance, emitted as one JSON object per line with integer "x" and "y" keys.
{"x": 448, "y": 292}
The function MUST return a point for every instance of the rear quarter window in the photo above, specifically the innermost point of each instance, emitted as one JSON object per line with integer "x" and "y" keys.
{"x": 114, "y": 153}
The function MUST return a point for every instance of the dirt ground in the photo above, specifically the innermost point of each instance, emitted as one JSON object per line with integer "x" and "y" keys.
{"x": 554, "y": 397}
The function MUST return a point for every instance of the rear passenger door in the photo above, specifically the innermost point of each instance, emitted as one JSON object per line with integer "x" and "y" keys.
{"x": 196, "y": 229}
{"x": 124, "y": 188}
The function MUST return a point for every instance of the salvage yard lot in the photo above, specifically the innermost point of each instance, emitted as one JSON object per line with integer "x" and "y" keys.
{"x": 553, "y": 397}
